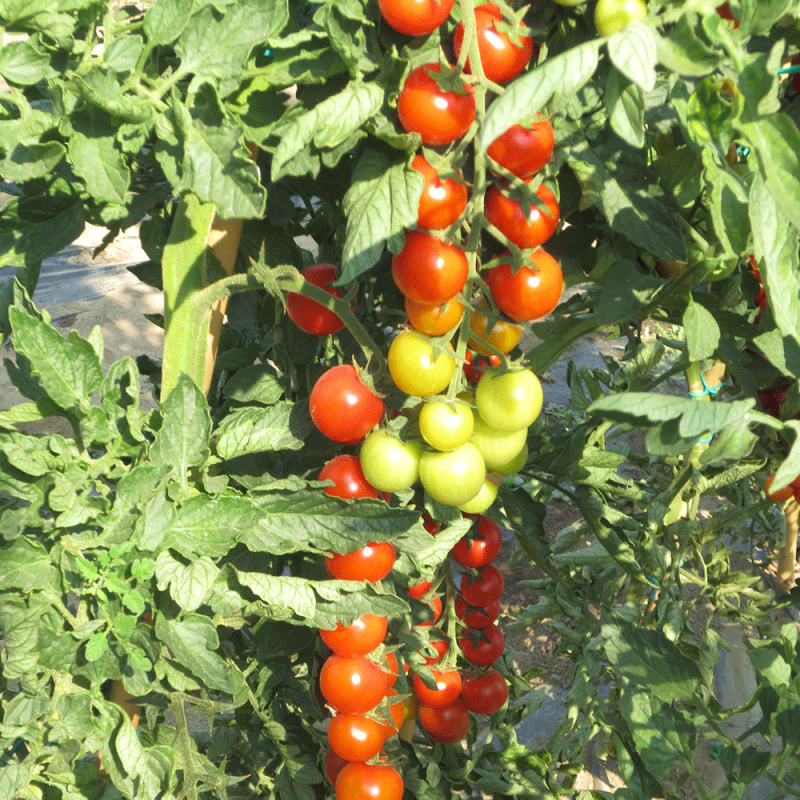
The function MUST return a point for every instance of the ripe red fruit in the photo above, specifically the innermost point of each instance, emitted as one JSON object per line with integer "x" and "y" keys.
{"x": 485, "y": 694}
{"x": 348, "y": 478}
{"x": 357, "y": 639}
{"x": 481, "y": 546}
{"x": 524, "y": 150}
{"x": 442, "y": 201}
{"x": 526, "y": 228}
{"x": 429, "y": 270}
{"x": 415, "y": 17}
{"x": 371, "y": 563}
{"x": 308, "y": 314}
{"x": 533, "y": 292}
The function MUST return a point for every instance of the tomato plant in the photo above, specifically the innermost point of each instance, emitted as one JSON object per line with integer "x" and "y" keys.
{"x": 447, "y": 691}
{"x": 415, "y": 369}
{"x": 369, "y": 782}
{"x": 474, "y": 366}
{"x": 343, "y": 407}
{"x": 308, "y": 314}
{"x": 357, "y": 639}
{"x": 351, "y": 685}
{"x": 486, "y": 693}
{"x": 477, "y": 617}
{"x": 525, "y": 228}
{"x": 529, "y": 293}
{"x": 415, "y": 17}
{"x": 611, "y": 16}
{"x": 442, "y": 201}
{"x": 445, "y": 720}
{"x": 501, "y": 58}
{"x": 498, "y": 447}
{"x": 484, "y": 647}
{"x": 446, "y": 426}
{"x": 484, "y": 589}
{"x": 355, "y": 737}
{"x": 481, "y": 546}
{"x": 348, "y": 478}
{"x": 434, "y": 319}
{"x": 438, "y": 116}
{"x": 498, "y": 334}
{"x": 429, "y": 270}
{"x": 524, "y": 149}
{"x": 370, "y": 563}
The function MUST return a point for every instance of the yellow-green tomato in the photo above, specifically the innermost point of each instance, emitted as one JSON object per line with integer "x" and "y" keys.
{"x": 508, "y": 401}
{"x": 481, "y": 502}
{"x": 570, "y": 2}
{"x": 414, "y": 369}
{"x": 452, "y": 477}
{"x": 611, "y": 16}
{"x": 497, "y": 447}
{"x": 446, "y": 426}
{"x": 388, "y": 463}
{"x": 513, "y": 466}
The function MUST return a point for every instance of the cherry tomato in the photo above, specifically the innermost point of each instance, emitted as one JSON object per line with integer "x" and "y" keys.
{"x": 309, "y": 315}
{"x": 611, "y": 16}
{"x": 443, "y": 720}
{"x": 371, "y": 563}
{"x": 482, "y": 501}
{"x": 438, "y": 116}
{"x": 452, "y": 477}
{"x": 448, "y": 688}
{"x": 474, "y": 367}
{"x": 533, "y": 292}
{"x": 389, "y": 668}
{"x": 510, "y": 400}
{"x": 440, "y": 648}
{"x": 434, "y": 319}
{"x": 351, "y": 685}
{"x": 497, "y": 447}
{"x": 442, "y": 201}
{"x": 454, "y": 737}
{"x": 348, "y": 478}
{"x": 524, "y": 228}
{"x": 779, "y": 495}
{"x": 724, "y": 10}
{"x": 357, "y": 639}
{"x": 429, "y": 270}
{"x": 415, "y": 370}
{"x": 515, "y": 464}
{"x": 390, "y": 464}
{"x": 474, "y": 616}
{"x": 415, "y": 17}
{"x": 479, "y": 548}
{"x": 524, "y": 150}
{"x": 484, "y": 589}
{"x": 355, "y": 737}
{"x": 503, "y": 336}
{"x": 446, "y": 426}
{"x": 333, "y": 766}
{"x": 501, "y": 58}
{"x": 486, "y": 648}
{"x": 342, "y": 407}
{"x": 369, "y": 782}
{"x": 485, "y": 694}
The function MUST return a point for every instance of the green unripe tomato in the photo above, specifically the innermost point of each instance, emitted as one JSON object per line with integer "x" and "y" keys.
{"x": 389, "y": 464}
{"x": 452, "y": 478}
{"x": 611, "y": 16}
{"x": 570, "y": 2}
{"x": 481, "y": 502}
{"x": 508, "y": 401}
{"x": 513, "y": 466}
{"x": 497, "y": 447}
{"x": 446, "y": 426}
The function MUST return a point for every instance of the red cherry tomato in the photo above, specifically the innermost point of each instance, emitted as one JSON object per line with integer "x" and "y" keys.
{"x": 443, "y": 720}
{"x": 523, "y": 151}
{"x": 525, "y": 230}
{"x": 434, "y": 319}
{"x": 438, "y": 116}
{"x": 429, "y": 270}
{"x": 440, "y": 648}
{"x": 485, "y": 694}
{"x": 448, "y": 688}
{"x": 454, "y": 737}
{"x": 355, "y": 737}
{"x": 477, "y": 617}
{"x": 442, "y": 201}
{"x": 342, "y": 407}
{"x": 308, "y": 314}
{"x": 533, "y": 292}
{"x": 484, "y": 649}
{"x": 351, "y": 685}
{"x": 369, "y": 782}
{"x": 484, "y": 589}
{"x": 480, "y": 547}
{"x": 501, "y": 59}
{"x": 779, "y": 495}
{"x": 415, "y": 17}
{"x": 348, "y": 478}
{"x": 371, "y": 563}
{"x": 357, "y": 639}
{"x": 333, "y": 766}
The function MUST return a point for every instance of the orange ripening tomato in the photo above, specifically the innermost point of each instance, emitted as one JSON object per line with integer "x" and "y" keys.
{"x": 503, "y": 336}
{"x": 530, "y": 293}
{"x": 779, "y": 495}
{"x": 434, "y": 319}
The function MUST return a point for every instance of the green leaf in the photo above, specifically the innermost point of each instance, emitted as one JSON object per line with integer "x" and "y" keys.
{"x": 254, "y": 430}
{"x": 683, "y": 52}
{"x": 770, "y": 663}
{"x": 193, "y": 641}
{"x": 633, "y": 51}
{"x": 101, "y": 88}
{"x": 20, "y": 626}
{"x": 27, "y": 162}
{"x": 649, "y": 660}
{"x": 69, "y": 371}
{"x": 728, "y": 203}
{"x": 25, "y": 566}
{"x": 182, "y": 441}
{"x": 24, "y": 63}
{"x": 96, "y": 158}
{"x": 558, "y": 78}
{"x": 702, "y": 331}
{"x": 123, "y": 53}
{"x": 96, "y": 647}
{"x": 625, "y": 104}
{"x": 164, "y": 21}
{"x": 383, "y": 198}
{"x": 257, "y": 383}
{"x": 625, "y": 291}
{"x": 189, "y": 584}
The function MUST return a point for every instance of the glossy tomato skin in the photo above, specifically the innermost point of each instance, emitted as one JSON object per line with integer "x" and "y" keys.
{"x": 502, "y": 335}
{"x": 334, "y": 764}
{"x": 308, "y": 314}
{"x": 483, "y": 590}
{"x": 779, "y": 495}
{"x": 369, "y": 782}
{"x": 348, "y": 478}
{"x": 442, "y": 201}
{"x": 371, "y": 563}
{"x": 501, "y": 59}
{"x": 448, "y": 688}
{"x": 438, "y": 116}
{"x": 415, "y": 17}
{"x": 533, "y": 292}
{"x": 454, "y": 737}
{"x": 524, "y": 150}
{"x": 355, "y": 737}
{"x": 452, "y": 477}
{"x": 611, "y": 16}
{"x": 357, "y": 639}
{"x": 389, "y": 464}
{"x": 485, "y": 694}
{"x": 508, "y": 401}
{"x": 524, "y": 230}
{"x": 443, "y": 720}
{"x": 351, "y": 685}
{"x": 497, "y": 447}
{"x": 342, "y": 407}
{"x": 481, "y": 546}
{"x": 414, "y": 369}
{"x": 482, "y": 501}
{"x": 434, "y": 319}
{"x": 484, "y": 650}
{"x": 429, "y": 270}
{"x": 446, "y": 426}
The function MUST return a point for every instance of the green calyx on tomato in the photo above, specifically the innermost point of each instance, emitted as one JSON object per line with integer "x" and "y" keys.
{"x": 527, "y": 224}
{"x": 446, "y": 426}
